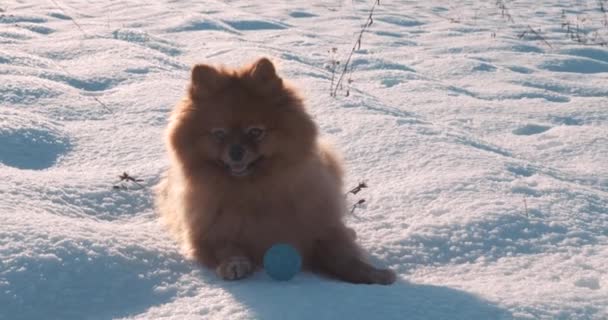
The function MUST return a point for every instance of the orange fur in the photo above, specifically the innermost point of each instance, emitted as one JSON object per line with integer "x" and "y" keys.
{"x": 291, "y": 190}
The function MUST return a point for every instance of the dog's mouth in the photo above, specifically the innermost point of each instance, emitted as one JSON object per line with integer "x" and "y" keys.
{"x": 241, "y": 169}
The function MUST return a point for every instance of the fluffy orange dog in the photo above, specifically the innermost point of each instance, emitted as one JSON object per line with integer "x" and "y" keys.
{"x": 247, "y": 171}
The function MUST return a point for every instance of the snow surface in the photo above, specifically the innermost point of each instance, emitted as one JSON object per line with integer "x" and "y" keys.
{"x": 485, "y": 149}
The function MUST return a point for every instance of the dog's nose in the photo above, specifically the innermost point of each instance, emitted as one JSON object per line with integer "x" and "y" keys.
{"x": 236, "y": 152}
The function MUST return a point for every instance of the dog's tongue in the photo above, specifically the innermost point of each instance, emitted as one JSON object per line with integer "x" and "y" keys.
{"x": 238, "y": 169}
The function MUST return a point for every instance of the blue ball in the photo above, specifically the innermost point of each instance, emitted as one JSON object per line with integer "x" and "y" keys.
{"x": 282, "y": 262}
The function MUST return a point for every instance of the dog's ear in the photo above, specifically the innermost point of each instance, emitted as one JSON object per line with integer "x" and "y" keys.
{"x": 263, "y": 72}
{"x": 205, "y": 79}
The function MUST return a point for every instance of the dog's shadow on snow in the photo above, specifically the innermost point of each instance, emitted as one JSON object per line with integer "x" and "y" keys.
{"x": 308, "y": 296}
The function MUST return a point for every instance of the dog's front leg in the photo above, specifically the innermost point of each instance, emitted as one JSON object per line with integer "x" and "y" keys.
{"x": 233, "y": 263}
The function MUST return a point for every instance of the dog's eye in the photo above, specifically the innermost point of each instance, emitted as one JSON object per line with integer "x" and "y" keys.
{"x": 255, "y": 133}
{"x": 219, "y": 134}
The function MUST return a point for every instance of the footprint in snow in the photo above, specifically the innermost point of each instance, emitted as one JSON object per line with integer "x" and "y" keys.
{"x": 253, "y": 25}
{"x": 31, "y": 148}
{"x": 567, "y": 121}
{"x": 575, "y": 65}
{"x": 200, "y": 25}
{"x": 400, "y": 21}
{"x": 592, "y": 283}
{"x": 59, "y": 15}
{"x": 146, "y": 40}
{"x": 530, "y": 129}
{"x": 301, "y": 14}
{"x": 591, "y": 53}
{"x": 12, "y": 19}
{"x": 36, "y": 28}
{"x": 521, "y": 171}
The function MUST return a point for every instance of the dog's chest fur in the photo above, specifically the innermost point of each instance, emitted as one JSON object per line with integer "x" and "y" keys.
{"x": 266, "y": 214}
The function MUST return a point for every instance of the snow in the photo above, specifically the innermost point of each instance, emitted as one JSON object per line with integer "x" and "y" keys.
{"x": 484, "y": 146}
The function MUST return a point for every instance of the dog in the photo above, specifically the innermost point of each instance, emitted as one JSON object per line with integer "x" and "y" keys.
{"x": 247, "y": 170}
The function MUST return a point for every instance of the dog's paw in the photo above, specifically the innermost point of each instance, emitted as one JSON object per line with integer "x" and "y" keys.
{"x": 383, "y": 276}
{"x": 234, "y": 268}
